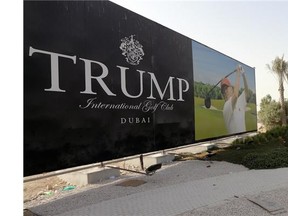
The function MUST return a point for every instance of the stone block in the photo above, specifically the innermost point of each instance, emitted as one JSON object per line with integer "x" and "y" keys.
{"x": 89, "y": 176}
{"x": 158, "y": 158}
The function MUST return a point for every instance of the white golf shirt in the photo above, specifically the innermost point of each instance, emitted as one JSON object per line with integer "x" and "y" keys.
{"x": 235, "y": 119}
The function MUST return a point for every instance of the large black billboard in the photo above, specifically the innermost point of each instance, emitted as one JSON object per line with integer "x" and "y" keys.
{"x": 102, "y": 82}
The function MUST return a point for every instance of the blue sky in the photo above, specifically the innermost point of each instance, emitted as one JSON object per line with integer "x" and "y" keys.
{"x": 253, "y": 32}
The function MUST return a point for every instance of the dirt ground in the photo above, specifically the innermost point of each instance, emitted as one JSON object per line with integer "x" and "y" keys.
{"x": 42, "y": 187}
{"x": 40, "y": 191}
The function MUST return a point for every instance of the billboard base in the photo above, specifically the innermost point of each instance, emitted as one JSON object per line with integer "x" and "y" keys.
{"x": 89, "y": 176}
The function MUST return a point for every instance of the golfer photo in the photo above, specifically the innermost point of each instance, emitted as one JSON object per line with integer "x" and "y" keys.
{"x": 235, "y": 105}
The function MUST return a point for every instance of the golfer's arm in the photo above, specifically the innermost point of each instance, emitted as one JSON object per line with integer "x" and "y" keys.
{"x": 236, "y": 90}
{"x": 245, "y": 86}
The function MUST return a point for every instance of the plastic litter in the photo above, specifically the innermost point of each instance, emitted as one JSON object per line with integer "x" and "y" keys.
{"x": 48, "y": 193}
{"x": 69, "y": 187}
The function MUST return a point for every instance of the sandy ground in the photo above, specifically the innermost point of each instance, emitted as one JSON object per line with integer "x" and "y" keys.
{"x": 50, "y": 189}
{"x": 42, "y": 188}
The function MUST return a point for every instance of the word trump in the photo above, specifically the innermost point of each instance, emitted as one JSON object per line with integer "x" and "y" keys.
{"x": 173, "y": 82}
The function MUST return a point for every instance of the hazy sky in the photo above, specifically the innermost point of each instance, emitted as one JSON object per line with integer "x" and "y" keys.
{"x": 253, "y": 32}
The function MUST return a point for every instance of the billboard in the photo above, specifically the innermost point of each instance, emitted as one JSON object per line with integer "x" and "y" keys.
{"x": 102, "y": 82}
{"x": 224, "y": 94}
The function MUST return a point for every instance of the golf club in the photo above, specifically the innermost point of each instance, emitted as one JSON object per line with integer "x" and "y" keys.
{"x": 207, "y": 100}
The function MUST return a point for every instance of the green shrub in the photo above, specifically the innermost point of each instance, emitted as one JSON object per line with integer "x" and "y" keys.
{"x": 263, "y": 151}
{"x": 276, "y": 158}
{"x": 275, "y": 136}
{"x": 260, "y": 139}
{"x": 270, "y": 112}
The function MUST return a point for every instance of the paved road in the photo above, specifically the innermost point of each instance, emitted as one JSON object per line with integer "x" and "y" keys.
{"x": 187, "y": 188}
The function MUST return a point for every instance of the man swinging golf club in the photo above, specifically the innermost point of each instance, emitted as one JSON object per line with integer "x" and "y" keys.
{"x": 235, "y": 104}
